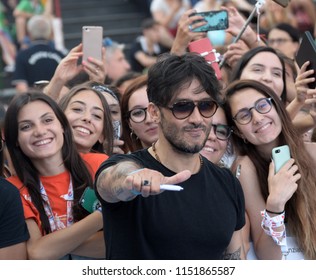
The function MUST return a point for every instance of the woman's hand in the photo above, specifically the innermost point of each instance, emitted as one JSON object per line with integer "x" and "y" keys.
{"x": 185, "y": 34}
{"x": 282, "y": 185}
{"x": 95, "y": 68}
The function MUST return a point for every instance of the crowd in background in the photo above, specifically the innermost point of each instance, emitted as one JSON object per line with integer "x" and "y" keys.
{"x": 67, "y": 118}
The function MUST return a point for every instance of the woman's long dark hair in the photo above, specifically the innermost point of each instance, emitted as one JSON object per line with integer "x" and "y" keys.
{"x": 26, "y": 171}
{"x": 301, "y": 208}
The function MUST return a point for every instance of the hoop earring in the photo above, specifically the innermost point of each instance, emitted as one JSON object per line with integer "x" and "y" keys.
{"x": 131, "y": 135}
{"x": 245, "y": 140}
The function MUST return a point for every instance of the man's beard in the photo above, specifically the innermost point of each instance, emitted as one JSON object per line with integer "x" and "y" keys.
{"x": 179, "y": 144}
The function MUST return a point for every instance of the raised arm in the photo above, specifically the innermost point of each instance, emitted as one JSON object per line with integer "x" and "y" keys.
{"x": 184, "y": 35}
{"x": 68, "y": 68}
{"x": 304, "y": 96}
{"x": 236, "y": 24}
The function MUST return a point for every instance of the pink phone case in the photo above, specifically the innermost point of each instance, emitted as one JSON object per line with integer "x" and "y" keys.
{"x": 204, "y": 47}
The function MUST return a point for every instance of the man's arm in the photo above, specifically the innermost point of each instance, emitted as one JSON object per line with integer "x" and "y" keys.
{"x": 111, "y": 184}
{"x": 235, "y": 249}
{"x": 126, "y": 179}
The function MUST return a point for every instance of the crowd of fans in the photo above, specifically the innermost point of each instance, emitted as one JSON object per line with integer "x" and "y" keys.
{"x": 67, "y": 118}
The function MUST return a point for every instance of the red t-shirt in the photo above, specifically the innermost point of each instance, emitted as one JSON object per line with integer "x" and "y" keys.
{"x": 56, "y": 187}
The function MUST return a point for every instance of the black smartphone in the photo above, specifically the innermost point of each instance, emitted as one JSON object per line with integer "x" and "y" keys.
{"x": 89, "y": 200}
{"x": 214, "y": 20}
{"x": 307, "y": 52}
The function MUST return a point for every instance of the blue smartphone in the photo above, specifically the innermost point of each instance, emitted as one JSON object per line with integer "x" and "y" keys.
{"x": 280, "y": 155}
{"x": 214, "y": 20}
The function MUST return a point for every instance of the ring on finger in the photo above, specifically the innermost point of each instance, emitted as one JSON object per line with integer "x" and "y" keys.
{"x": 146, "y": 183}
{"x": 190, "y": 27}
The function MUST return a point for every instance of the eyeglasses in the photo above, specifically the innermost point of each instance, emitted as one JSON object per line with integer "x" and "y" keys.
{"x": 183, "y": 109}
{"x": 137, "y": 115}
{"x": 262, "y": 106}
{"x": 278, "y": 41}
{"x": 222, "y": 131}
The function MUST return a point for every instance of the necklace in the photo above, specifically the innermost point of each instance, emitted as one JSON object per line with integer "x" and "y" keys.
{"x": 158, "y": 158}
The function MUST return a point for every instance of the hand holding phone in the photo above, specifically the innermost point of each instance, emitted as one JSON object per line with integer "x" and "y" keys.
{"x": 214, "y": 20}
{"x": 307, "y": 52}
{"x": 92, "y": 37}
{"x": 280, "y": 155}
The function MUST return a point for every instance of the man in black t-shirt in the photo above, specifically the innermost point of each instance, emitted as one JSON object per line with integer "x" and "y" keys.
{"x": 145, "y": 217}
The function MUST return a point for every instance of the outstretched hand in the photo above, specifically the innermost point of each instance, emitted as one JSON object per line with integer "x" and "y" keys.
{"x": 147, "y": 181}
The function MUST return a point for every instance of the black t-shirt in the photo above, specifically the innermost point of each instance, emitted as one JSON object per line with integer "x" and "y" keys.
{"x": 138, "y": 46}
{"x": 38, "y": 62}
{"x": 196, "y": 223}
{"x": 13, "y": 229}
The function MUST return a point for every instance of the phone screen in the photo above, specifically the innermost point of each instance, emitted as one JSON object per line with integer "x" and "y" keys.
{"x": 215, "y": 20}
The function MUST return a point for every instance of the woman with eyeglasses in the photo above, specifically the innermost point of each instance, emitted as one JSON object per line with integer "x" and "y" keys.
{"x": 217, "y": 144}
{"x": 139, "y": 130}
{"x": 266, "y": 65}
{"x": 280, "y": 206}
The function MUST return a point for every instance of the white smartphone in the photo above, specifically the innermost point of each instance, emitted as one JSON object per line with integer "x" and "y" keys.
{"x": 280, "y": 155}
{"x": 92, "y": 37}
